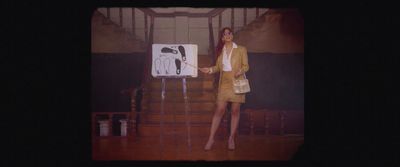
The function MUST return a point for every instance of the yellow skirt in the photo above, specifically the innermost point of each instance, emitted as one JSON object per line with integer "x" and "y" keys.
{"x": 225, "y": 91}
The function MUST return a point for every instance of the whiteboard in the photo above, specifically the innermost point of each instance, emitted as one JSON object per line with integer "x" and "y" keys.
{"x": 174, "y": 60}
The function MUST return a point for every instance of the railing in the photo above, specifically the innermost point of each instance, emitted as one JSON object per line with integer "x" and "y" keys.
{"x": 149, "y": 12}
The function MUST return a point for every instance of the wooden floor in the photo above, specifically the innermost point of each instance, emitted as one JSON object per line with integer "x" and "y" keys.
{"x": 175, "y": 148}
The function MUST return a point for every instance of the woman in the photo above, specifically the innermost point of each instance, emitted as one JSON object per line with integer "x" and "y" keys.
{"x": 231, "y": 63}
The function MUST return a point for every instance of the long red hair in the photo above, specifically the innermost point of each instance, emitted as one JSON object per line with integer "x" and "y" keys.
{"x": 221, "y": 43}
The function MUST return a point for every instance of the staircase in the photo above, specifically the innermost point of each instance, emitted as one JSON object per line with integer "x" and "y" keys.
{"x": 201, "y": 93}
{"x": 108, "y": 37}
{"x": 276, "y": 31}
{"x": 202, "y": 97}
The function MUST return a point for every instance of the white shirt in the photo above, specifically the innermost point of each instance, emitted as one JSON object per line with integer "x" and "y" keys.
{"x": 226, "y": 58}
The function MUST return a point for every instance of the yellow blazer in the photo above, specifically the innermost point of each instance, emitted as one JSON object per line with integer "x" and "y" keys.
{"x": 239, "y": 61}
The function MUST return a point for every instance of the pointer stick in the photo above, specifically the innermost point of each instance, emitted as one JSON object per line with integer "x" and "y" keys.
{"x": 191, "y": 65}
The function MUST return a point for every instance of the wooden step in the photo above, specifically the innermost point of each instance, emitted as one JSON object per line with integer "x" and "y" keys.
{"x": 149, "y": 109}
{"x": 174, "y": 110}
{"x": 200, "y": 77}
{"x": 177, "y": 96}
{"x": 179, "y": 129}
{"x": 180, "y": 107}
{"x": 177, "y": 85}
{"x": 179, "y": 117}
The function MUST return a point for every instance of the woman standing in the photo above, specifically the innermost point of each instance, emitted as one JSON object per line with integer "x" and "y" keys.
{"x": 232, "y": 63}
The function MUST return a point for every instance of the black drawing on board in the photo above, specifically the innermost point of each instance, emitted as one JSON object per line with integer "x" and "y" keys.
{"x": 168, "y": 50}
{"x": 178, "y": 66}
{"x": 182, "y": 51}
{"x": 163, "y": 62}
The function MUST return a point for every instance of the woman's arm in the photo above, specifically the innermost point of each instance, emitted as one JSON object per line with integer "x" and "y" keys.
{"x": 217, "y": 66}
{"x": 245, "y": 61}
{"x": 245, "y": 64}
{"x": 213, "y": 69}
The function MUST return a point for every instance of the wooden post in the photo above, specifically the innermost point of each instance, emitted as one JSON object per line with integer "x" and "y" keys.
{"x": 266, "y": 122}
{"x": 147, "y": 63}
{"x": 212, "y": 48}
{"x": 120, "y": 17}
{"x": 110, "y": 129}
{"x": 245, "y": 17}
{"x": 93, "y": 124}
{"x": 233, "y": 20}
{"x": 128, "y": 116}
{"x": 219, "y": 22}
{"x": 257, "y": 12}
{"x": 145, "y": 28}
{"x": 151, "y": 39}
{"x": 282, "y": 116}
{"x": 133, "y": 22}
{"x": 251, "y": 112}
{"x": 211, "y": 39}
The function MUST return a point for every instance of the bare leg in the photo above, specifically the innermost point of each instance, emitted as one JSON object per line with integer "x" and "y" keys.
{"x": 219, "y": 112}
{"x": 235, "y": 115}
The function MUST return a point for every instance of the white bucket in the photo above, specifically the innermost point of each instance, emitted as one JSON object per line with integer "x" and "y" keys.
{"x": 124, "y": 127}
{"x": 104, "y": 128}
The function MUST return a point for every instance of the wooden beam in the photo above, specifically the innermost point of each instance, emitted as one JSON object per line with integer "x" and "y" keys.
{"x": 151, "y": 30}
{"x": 282, "y": 115}
{"x": 149, "y": 51}
{"x": 110, "y": 118}
{"x": 147, "y": 63}
{"x": 93, "y": 124}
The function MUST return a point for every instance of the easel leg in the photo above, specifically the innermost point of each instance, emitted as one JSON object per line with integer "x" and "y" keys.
{"x": 187, "y": 110}
{"x": 162, "y": 116}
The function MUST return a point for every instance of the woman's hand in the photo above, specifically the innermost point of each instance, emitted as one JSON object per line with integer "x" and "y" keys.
{"x": 238, "y": 73}
{"x": 204, "y": 70}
